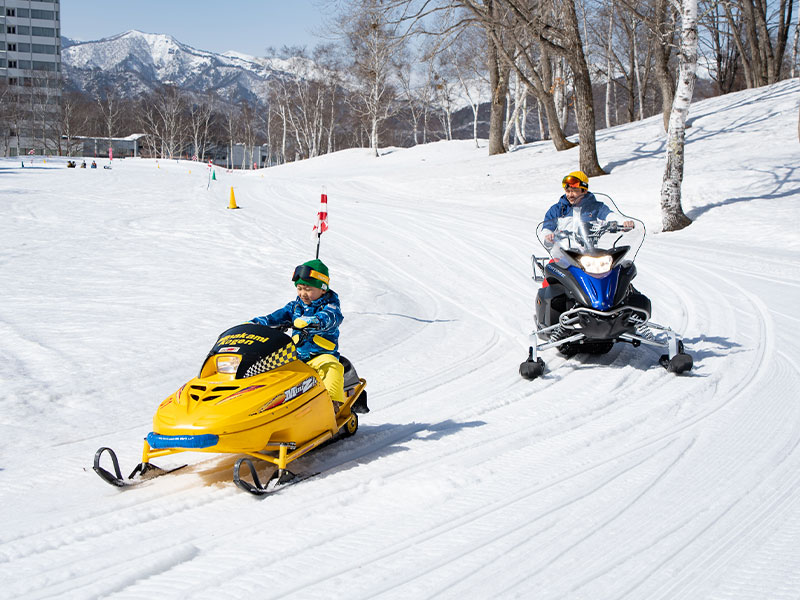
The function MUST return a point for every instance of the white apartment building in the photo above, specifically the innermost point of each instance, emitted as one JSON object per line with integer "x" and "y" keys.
{"x": 30, "y": 76}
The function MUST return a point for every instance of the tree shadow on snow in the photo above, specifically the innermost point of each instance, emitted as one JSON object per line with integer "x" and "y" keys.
{"x": 697, "y": 129}
{"x": 779, "y": 190}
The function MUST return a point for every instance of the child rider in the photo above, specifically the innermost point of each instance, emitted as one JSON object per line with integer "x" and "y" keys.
{"x": 315, "y": 317}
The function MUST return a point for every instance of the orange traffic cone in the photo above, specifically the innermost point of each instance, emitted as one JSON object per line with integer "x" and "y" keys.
{"x": 232, "y": 203}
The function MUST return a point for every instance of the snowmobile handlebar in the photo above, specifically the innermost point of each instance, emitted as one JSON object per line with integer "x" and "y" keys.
{"x": 590, "y": 233}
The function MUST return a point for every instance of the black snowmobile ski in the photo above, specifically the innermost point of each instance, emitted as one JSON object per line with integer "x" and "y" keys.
{"x": 141, "y": 473}
{"x": 280, "y": 479}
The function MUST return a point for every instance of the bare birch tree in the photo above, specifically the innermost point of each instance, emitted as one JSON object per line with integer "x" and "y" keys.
{"x": 723, "y": 58}
{"x": 469, "y": 63}
{"x": 760, "y": 36}
{"x": 201, "y": 113}
{"x": 110, "y": 103}
{"x": 610, "y": 72}
{"x": 7, "y": 110}
{"x": 373, "y": 39}
{"x": 170, "y": 107}
{"x": 556, "y": 27}
{"x": 74, "y": 121}
{"x": 660, "y": 17}
{"x": 248, "y": 131}
{"x": 672, "y": 215}
{"x": 408, "y": 89}
{"x": 499, "y": 70}
{"x": 445, "y": 78}
{"x": 795, "y": 49}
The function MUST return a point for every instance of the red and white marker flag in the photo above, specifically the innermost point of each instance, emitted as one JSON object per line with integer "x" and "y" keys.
{"x": 322, "y": 216}
{"x": 322, "y": 219}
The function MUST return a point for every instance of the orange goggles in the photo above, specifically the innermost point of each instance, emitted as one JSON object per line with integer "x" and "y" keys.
{"x": 572, "y": 181}
{"x": 306, "y": 272}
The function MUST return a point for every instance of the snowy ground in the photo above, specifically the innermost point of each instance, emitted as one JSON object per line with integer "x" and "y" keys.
{"x": 607, "y": 478}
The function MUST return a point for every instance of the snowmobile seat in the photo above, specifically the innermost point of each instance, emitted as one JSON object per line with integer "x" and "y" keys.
{"x": 351, "y": 380}
{"x": 350, "y": 376}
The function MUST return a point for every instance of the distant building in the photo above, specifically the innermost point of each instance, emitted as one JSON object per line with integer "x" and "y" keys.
{"x": 130, "y": 146}
{"x": 242, "y": 156}
{"x": 30, "y": 75}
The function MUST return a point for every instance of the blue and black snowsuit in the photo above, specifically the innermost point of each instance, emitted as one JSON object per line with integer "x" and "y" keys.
{"x": 312, "y": 340}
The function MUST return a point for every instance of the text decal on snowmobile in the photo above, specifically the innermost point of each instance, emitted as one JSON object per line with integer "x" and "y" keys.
{"x": 291, "y": 393}
{"x": 242, "y": 339}
{"x": 300, "y": 388}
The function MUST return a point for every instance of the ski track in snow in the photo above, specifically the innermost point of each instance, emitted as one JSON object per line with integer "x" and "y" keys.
{"x": 606, "y": 478}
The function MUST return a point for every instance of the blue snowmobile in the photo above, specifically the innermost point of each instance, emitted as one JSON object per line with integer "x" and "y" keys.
{"x": 587, "y": 302}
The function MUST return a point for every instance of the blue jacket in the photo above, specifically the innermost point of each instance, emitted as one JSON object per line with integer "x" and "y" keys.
{"x": 591, "y": 210}
{"x": 312, "y": 340}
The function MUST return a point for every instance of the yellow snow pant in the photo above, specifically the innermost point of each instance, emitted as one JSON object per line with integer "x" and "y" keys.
{"x": 331, "y": 372}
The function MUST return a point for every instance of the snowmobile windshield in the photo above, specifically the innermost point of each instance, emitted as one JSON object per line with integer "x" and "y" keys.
{"x": 592, "y": 237}
{"x": 247, "y": 350}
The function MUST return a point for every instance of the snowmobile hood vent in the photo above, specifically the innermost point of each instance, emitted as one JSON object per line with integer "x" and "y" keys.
{"x": 201, "y": 393}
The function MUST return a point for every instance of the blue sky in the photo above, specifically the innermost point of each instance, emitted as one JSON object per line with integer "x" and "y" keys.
{"x": 247, "y": 26}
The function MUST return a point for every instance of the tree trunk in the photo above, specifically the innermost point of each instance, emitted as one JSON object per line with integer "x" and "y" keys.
{"x": 547, "y": 99}
{"x": 555, "y": 132}
{"x": 737, "y": 40}
{"x": 475, "y": 108}
{"x": 539, "y": 107}
{"x": 662, "y": 51}
{"x": 373, "y": 136}
{"x": 609, "y": 67}
{"x": 508, "y": 121}
{"x": 584, "y": 100}
{"x": 498, "y": 80}
{"x": 637, "y": 74}
{"x": 672, "y": 215}
{"x": 766, "y": 41}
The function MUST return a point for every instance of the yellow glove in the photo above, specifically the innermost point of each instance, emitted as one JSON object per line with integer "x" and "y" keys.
{"x": 303, "y": 322}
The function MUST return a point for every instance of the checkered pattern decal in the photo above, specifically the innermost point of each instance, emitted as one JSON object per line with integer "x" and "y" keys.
{"x": 277, "y": 359}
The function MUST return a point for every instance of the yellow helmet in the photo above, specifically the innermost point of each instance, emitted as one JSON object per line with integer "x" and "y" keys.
{"x": 576, "y": 179}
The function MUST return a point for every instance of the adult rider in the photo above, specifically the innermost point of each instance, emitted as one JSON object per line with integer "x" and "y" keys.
{"x": 575, "y": 206}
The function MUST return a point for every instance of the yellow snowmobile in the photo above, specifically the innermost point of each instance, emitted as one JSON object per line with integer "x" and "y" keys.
{"x": 253, "y": 396}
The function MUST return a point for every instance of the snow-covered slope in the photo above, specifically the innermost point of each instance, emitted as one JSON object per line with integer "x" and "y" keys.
{"x": 607, "y": 478}
{"x": 135, "y": 62}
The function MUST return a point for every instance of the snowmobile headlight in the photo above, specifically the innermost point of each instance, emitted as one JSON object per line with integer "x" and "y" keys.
{"x": 228, "y": 363}
{"x": 597, "y": 265}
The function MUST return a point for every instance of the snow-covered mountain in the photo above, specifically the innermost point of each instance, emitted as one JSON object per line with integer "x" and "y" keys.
{"x": 135, "y": 62}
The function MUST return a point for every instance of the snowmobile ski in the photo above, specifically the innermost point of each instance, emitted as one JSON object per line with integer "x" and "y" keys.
{"x": 280, "y": 479}
{"x": 531, "y": 369}
{"x": 142, "y": 472}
